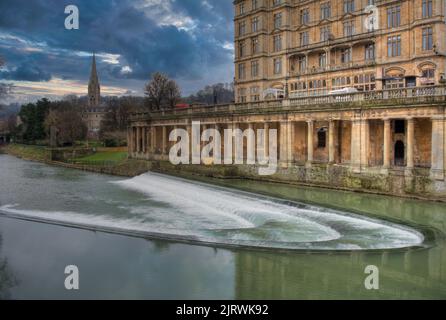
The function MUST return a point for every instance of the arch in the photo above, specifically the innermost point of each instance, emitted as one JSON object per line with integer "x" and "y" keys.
{"x": 400, "y": 153}
{"x": 395, "y": 71}
{"x": 322, "y": 138}
{"x": 426, "y": 65}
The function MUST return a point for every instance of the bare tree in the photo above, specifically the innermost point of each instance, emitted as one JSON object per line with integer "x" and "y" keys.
{"x": 173, "y": 93}
{"x": 161, "y": 92}
{"x": 67, "y": 121}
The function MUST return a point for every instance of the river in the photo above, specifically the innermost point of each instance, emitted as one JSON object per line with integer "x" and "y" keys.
{"x": 161, "y": 237}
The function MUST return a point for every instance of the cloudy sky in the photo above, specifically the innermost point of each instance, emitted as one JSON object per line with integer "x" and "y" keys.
{"x": 191, "y": 40}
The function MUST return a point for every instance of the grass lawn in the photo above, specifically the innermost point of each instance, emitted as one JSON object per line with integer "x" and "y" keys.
{"x": 104, "y": 156}
{"x": 27, "y": 151}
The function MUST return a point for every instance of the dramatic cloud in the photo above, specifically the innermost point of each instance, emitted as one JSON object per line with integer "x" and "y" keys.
{"x": 188, "y": 39}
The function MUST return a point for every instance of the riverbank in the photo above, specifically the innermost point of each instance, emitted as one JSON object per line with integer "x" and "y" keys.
{"x": 123, "y": 168}
{"x": 128, "y": 167}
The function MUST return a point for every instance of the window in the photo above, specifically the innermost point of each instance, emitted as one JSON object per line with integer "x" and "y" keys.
{"x": 241, "y": 28}
{"x": 277, "y": 20}
{"x": 428, "y": 74}
{"x": 255, "y": 24}
{"x": 277, "y": 66}
{"x": 255, "y": 45}
{"x": 341, "y": 82}
{"x": 349, "y": 28}
{"x": 428, "y": 41}
{"x": 322, "y": 138}
{"x": 394, "y": 80}
{"x": 394, "y": 17}
{"x": 241, "y": 48}
{"x": 276, "y": 2}
{"x": 277, "y": 43}
{"x": 304, "y": 38}
{"x": 325, "y": 10}
{"x": 346, "y": 55}
{"x": 241, "y": 71}
{"x": 349, "y": 6}
{"x": 305, "y": 16}
{"x": 325, "y": 33}
{"x": 254, "y": 91}
{"x": 427, "y": 8}
{"x": 254, "y": 69}
{"x": 394, "y": 46}
{"x": 255, "y": 4}
{"x": 242, "y": 8}
{"x": 322, "y": 60}
{"x": 242, "y": 95}
{"x": 365, "y": 82}
{"x": 302, "y": 63}
{"x": 370, "y": 52}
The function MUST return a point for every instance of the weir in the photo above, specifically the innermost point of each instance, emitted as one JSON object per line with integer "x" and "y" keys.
{"x": 186, "y": 211}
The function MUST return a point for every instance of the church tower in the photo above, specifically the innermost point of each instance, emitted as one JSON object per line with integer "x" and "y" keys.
{"x": 94, "y": 89}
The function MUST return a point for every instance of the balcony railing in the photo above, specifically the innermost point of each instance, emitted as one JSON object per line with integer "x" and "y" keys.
{"x": 411, "y": 95}
{"x": 334, "y": 67}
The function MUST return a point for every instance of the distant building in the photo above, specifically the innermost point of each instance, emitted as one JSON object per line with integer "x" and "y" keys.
{"x": 95, "y": 111}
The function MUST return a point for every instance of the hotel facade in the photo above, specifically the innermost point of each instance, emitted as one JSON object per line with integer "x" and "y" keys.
{"x": 300, "y": 48}
{"x": 355, "y": 89}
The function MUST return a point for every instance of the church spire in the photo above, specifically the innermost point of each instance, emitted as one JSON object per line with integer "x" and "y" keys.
{"x": 94, "y": 89}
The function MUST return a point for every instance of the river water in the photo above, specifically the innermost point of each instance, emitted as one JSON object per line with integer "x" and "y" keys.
{"x": 161, "y": 237}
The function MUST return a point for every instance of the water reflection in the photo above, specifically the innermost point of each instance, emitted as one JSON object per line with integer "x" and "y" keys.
{"x": 403, "y": 275}
{"x": 7, "y": 279}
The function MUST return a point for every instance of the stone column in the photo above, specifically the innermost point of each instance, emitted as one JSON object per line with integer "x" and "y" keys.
{"x": 356, "y": 146}
{"x": 138, "y": 139}
{"x": 410, "y": 143}
{"x": 153, "y": 138}
{"x": 134, "y": 139}
{"x": 266, "y": 140}
{"x": 387, "y": 143}
{"x": 290, "y": 142}
{"x": 331, "y": 142}
{"x": 284, "y": 143}
{"x": 217, "y": 145}
{"x": 251, "y": 145}
{"x": 164, "y": 141}
{"x": 438, "y": 148}
{"x": 310, "y": 142}
{"x": 144, "y": 139}
{"x": 365, "y": 138}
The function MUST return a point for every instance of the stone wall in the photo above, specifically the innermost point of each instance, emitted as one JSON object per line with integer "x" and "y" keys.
{"x": 419, "y": 185}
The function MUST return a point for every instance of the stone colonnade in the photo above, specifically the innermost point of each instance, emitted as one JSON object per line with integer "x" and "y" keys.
{"x": 388, "y": 143}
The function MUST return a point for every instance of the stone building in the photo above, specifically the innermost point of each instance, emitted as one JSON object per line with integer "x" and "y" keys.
{"x": 386, "y": 134}
{"x": 311, "y": 47}
{"x": 94, "y": 111}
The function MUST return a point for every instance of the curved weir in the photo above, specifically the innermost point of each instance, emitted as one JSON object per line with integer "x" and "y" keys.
{"x": 182, "y": 210}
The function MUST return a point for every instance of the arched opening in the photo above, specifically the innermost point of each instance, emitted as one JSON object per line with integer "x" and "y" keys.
{"x": 399, "y": 153}
{"x": 322, "y": 138}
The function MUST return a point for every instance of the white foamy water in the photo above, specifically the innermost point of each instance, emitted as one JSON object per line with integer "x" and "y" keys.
{"x": 182, "y": 209}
